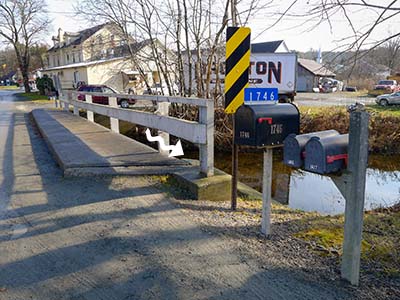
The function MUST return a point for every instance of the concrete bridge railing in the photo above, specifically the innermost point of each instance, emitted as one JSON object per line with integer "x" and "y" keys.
{"x": 200, "y": 133}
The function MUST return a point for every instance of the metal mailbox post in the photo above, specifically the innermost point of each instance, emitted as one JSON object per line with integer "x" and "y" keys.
{"x": 266, "y": 126}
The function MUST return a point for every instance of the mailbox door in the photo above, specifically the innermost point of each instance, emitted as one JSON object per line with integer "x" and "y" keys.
{"x": 245, "y": 126}
{"x": 315, "y": 160}
{"x": 292, "y": 155}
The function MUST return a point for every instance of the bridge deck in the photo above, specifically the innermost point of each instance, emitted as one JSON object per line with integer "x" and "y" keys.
{"x": 85, "y": 148}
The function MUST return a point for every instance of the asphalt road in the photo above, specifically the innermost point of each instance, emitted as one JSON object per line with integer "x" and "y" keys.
{"x": 116, "y": 238}
{"x": 330, "y": 99}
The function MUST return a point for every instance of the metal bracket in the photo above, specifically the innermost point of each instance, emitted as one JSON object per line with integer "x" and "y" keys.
{"x": 342, "y": 181}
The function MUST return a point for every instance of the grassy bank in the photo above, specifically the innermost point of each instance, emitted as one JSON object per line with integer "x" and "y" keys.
{"x": 9, "y": 87}
{"x": 384, "y": 129}
{"x": 33, "y": 97}
{"x": 380, "y": 251}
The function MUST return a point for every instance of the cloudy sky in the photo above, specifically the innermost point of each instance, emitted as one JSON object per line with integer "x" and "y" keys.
{"x": 296, "y": 34}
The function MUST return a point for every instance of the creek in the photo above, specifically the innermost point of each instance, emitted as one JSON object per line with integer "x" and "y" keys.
{"x": 312, "y": 192}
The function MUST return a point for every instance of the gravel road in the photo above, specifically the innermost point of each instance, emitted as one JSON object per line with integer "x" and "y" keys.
{"x": 330, "y": 99}
{"x": 123, "y": 238}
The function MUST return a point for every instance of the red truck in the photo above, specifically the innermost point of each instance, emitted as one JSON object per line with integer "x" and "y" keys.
{"x": 387, "y": 85}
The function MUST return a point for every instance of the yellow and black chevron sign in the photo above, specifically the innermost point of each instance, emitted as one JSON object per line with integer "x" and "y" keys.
{"x": 237, "y": 67}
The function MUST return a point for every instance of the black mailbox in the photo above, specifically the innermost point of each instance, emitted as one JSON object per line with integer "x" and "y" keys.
{"x": 294, "y": 145}
{"x": 326, "y": 155}
{"x": 265, "y": 125}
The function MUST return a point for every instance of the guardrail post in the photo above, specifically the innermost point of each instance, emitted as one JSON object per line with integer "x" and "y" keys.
{"x": 112, "y": 101}
{"x": 162, "y": 110}
{"x": 76, "y": 110}
{"x": 66, "y": 106}
{"x": 206, "y": 117}
{"x": 90, "y": 115}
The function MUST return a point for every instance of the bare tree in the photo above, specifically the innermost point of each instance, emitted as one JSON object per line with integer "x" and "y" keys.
{"x": 391, "y": 53}
{"x": 191, "y": 29}
{"x": 21, "y": 23}
{"x": 367, "y": 35}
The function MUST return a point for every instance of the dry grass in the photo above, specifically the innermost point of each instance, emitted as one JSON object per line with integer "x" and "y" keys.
{"x": 384, "y": 137}
{"x": 9, "y": 87}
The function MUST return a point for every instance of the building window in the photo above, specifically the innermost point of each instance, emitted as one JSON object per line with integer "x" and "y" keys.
{"x": 67, "y": 58}
{"x": 73, "y": 57}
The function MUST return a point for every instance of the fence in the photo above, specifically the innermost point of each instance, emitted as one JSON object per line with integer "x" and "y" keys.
{"x": 201, "y": 132}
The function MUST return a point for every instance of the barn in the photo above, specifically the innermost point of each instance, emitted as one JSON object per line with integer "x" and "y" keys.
{"x": 309, "y": 74}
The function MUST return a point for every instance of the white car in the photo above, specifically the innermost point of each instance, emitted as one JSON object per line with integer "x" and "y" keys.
{"x": 157, "y": 89}
{"x": 386, "y": 99}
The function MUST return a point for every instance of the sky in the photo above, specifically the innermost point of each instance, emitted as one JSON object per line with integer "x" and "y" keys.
{"x": 296, "y": 35}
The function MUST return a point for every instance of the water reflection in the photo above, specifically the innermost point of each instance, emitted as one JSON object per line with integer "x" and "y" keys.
{"x": 313, "y": 192}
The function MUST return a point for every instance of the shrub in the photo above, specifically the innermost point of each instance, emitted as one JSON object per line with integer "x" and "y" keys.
{"x": 45, "y": 85}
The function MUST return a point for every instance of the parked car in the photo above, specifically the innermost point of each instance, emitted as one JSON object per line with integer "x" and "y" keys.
{"x": 157, "y": 89}
{"x": 123, "y": 102}
{"x": 387, "y": 99}
{"x": 389, "y": 85}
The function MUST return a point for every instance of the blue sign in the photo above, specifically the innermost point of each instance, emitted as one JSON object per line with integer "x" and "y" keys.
{"x": 260, "y": 95}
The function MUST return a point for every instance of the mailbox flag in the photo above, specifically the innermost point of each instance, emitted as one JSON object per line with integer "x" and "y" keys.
{"x": 237, "y": 67}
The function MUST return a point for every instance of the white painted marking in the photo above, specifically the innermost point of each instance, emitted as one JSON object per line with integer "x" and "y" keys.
{"x": 175, "y": 150}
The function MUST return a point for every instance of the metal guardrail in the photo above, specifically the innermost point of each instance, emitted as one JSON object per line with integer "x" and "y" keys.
{"x": 201, "y": 133}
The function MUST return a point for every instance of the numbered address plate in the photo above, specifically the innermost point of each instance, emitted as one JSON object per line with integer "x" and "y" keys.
{"x": 260, "y": 95}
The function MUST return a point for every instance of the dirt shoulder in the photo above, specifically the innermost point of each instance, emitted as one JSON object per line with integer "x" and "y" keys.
{"x": 308, "y": 243}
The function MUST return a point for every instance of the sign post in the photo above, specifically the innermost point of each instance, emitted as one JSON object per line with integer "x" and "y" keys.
{"x": 236, "y": 80}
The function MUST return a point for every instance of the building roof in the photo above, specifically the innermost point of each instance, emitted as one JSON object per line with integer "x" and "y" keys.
{"x": 315, "y": 68}
{"x": 85, "y": 64}
{"x": 266, "y": 47}
{"x": 81, "y": 37}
